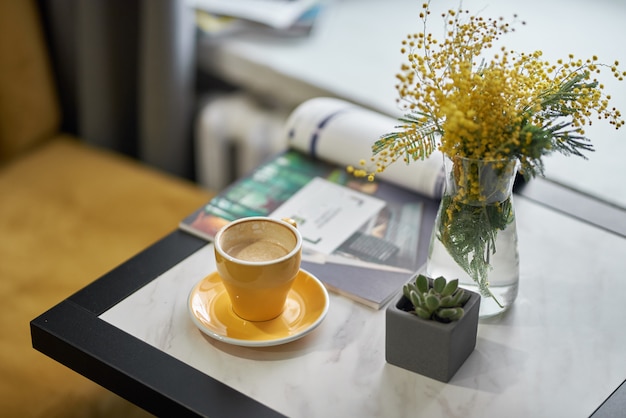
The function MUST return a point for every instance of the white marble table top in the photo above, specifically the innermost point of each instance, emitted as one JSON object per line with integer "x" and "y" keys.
{"x": 559, "y": 352}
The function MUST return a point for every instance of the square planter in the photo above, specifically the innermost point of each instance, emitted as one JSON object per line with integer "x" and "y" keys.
{"x": 428, "y": 347}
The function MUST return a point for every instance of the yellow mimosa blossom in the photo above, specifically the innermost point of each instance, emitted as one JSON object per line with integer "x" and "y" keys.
{"x": 511, "y": 106}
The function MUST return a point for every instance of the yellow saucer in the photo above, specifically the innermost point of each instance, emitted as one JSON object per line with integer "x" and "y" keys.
{"x": 211, "y": 311}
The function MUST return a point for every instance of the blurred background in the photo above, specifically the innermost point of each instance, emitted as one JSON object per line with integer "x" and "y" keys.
{"x": 182, "y": 84}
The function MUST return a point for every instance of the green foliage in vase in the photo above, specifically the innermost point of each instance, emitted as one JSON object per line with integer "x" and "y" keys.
{"x": 474, "y": 209}
{"x": 469, "y": 234}
{"x": 443, "y": 301}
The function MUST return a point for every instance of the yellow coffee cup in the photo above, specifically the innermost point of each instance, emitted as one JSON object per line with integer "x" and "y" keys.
{"x": 258, "y": 259}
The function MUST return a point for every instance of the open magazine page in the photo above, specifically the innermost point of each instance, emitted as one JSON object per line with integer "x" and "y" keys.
{"x": 344, "y": 225}
{"x": 368, "y": 259}
{"x": 340, "y": 132}
{"x": 343, "y": 219}
{"x": 327, "y": 213}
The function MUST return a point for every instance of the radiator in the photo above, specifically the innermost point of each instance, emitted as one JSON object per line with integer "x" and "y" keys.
{"x": 234, "y": 133}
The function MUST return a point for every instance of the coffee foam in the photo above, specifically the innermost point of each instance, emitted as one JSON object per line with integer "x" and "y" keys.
{"x": 258, "y": 250}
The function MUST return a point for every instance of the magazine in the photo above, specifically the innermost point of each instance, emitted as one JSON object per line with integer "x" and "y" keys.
{"x": 362, "y": 239}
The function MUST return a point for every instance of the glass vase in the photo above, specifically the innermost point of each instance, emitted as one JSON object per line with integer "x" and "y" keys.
{"x": 475, "y": 237}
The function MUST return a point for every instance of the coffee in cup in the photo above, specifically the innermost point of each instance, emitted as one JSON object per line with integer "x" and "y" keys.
{"x": 258, "y": 258}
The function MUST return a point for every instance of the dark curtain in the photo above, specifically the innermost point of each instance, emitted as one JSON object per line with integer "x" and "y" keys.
{"x": 125, "y": 70}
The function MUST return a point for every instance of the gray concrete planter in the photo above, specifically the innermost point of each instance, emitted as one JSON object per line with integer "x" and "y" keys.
{"x": 430, "y": 348}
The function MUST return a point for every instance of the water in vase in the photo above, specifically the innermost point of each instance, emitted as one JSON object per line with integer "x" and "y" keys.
{"x": 503, "y": 275}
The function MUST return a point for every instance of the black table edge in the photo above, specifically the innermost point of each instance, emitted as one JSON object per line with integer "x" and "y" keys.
{"x": 73, "y": 334}
{"x": 614, "y": 405}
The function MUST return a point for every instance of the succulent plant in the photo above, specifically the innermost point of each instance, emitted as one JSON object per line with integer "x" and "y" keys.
{"x": 442, "y": 301}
